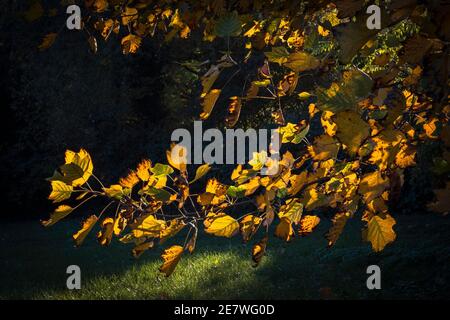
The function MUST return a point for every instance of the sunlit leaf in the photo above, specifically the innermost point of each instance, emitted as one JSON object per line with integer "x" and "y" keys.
{"x": 284, "y": 230}
{"x": 201, "y": 171}
{"x": 60, "y": 191}
{"x": 60, "y": 213}
{"x": 88, "y": 224}
{"x": 234, "y": 110}
{"x": 130, "y": 44}
{"x": 278, "y": 55}
{"x": 138, "y": 250}
{"x": 221, "y": 225}
{"x": 149, "y": 227}
{"x": 259, "y": 250}
{"x": 307, "y": 224}
{"x": 208, "y": 101}
{"x": 171, "y": 257}
{"x": 292, "y": 210}
{"x": 105, "y": 235}
{"x": 248, "y": 226}
{"x": 379, "y": 232}
{"x": 301, "y": 61}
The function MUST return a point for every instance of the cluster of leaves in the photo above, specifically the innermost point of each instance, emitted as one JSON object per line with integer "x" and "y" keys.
{"x": 371, "y": 122}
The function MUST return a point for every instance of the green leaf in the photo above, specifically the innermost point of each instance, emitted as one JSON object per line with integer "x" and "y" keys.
{"x": 278, "y": 54}
{"x": 301, "y": 61}
{"x": 228, "y": 25}
{"x": 236, "y": 192}
{"x": 201, "y": 171}
{"x": 60, "y": 191}
{"x": 116, "y": 191}
{"x": 160, "y": 170}
{"x": 345, "y": 95}
{"x": 299, "y": 137}
{"x": 158, "y": 194}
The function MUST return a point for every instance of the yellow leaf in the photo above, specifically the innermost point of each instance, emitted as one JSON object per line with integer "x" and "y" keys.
{"x": 115, "y": 191}
{"x": 88, "y": 224}
{"x": 296, "y": 40}
{"x": 130, "y": 43}
{"x": 216, "y": 188}
{"x": 149, "y": 227}
{"x": 351, "y": 130}
{"x": 339, "y": 222}
{"x": 171, "y": 257}
{"x": 307, "y": 225}
{"x": 201, "y": 171}
{"x": 312, "y": 110}
{"x": 292, "y": 210}
{"x": 430, "y": 128}
{"x": 61, "y": 212}
{"x": 205, "y": 198}
{"x": 209, "y": 78}
{"x": 100, "y": 5}
{"x": 322, "y": 31}
{"x": 83, "y": 161}
{"x": 258, "y": 250}
{"x": 372, "y": 185}
{"x": 304, "y": 95}
{"x": 297, "y": 182}
{"x": 60, "y": 191}
{"x": 258, "y": 160}
{"x": 251, "y": 186}
{"x": 173, "y": 228}
{"x": 107, "y": 26}
{"x": 379, "y": 232}
{"x": 249, "y": 225}
{"x": 141, "y": 248}
{"x": 234, "y": 110}
{"x": 105, "y": 235}
{"x": 377, "y": 205}
{"x": 301, "y": 61}
{"x": 221, "y": 225}
{"x": 312, "y": 199}
{"x": 406, "y": 157}
{"x": 324, "y": 148}
{"x": 143, "y": 169}
{"x": 254, "y": 29}
{"x": 284, "y": 230}
{"x": 208, "y": 101}
{"x": 129, "y": 15}
{"x": 184, "y": 33}
{"x": 130, "y": 180}
{"x": 327, "y": 123}
{"x": 119, "y": 224}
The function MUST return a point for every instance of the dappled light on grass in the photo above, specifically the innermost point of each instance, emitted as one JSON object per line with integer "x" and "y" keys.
{"x": 303, "y": 269}
{"x": 206, "y": 275}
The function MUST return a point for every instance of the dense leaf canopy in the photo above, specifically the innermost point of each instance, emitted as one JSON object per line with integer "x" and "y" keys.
{"x": 375, "y": 97}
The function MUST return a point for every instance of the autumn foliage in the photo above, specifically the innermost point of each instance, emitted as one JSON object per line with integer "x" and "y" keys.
{"x": 372, "y": 106}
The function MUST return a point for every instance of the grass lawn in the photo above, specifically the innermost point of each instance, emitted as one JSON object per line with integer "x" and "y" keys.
{"x": 34, "y": 261}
